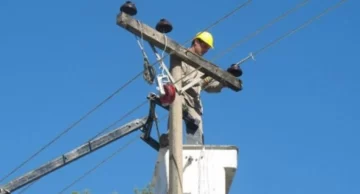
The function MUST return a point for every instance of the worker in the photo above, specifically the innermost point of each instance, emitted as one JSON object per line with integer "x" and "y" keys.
{"x": 192, "y": 105}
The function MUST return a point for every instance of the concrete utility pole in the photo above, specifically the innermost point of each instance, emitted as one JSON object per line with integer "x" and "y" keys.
{"x": 178, "y": 54}
{"x": 175, "y": 133}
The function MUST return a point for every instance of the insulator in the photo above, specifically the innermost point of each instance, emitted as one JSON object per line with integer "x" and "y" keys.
{"x": 169, "y": 96}
{"x": 235, "y": 70}
{"x": 129, "y": 8}
{"x": 164, "y": 26}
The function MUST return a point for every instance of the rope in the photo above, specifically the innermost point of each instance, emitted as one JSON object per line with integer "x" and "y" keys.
{"x": 149, "y": 73}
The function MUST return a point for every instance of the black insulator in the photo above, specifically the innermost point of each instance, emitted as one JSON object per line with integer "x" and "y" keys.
{"x": 129, "y": 8}
{"x": 235, "y": 70}
{"x": 164, "y": 26}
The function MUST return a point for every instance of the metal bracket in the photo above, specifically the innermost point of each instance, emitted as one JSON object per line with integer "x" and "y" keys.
{"x": 161, "y": 79}
{"x": 150, "y": 120}
{"x": 191, "y": 122}
{"x": 246, "y": 58}
{"x": 147, "y": 128}
{"x": 164, "y": 69}
{"x": 151, "y": 142}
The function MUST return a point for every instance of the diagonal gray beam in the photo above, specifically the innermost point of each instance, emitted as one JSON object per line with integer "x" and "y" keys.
{"x": 158, "y": 39}
{"x": 73, "y": 155}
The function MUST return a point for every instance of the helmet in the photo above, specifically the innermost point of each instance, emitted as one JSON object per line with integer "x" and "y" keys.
{"x": 206, "y": 37}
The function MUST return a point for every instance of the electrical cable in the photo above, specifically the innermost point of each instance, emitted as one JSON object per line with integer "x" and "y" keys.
{"x": 299, "y": 27}
{"x": 252, "y": 54}
{"x": 27, "y": 187}
{"x": 262, "y": 28}
{"x": 105, "y": 100}
{"x": 248, "y": 37}
{"x": 120, "y": 119}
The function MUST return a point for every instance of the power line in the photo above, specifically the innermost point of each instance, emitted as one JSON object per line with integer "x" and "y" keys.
{"x": 108, "y": 98}
{"x": 120, "y": 119}
{"x": 262, "y": 28}
{"x": 300, "y": 27}
{"x": 27, "y": 187}
{"x": 248, "y": 37}
{"x": 293, "y": 30}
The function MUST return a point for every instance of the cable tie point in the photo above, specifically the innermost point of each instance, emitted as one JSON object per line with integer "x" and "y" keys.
{"x": 252, "y": 56}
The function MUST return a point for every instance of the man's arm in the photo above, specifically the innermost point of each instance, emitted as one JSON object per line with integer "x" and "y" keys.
{"x": 211, "y": 85}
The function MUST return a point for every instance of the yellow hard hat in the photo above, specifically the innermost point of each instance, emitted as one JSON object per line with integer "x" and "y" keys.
{"x": 206, "y": 37}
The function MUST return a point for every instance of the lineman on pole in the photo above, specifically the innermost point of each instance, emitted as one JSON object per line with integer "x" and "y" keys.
{"x": 192, "y": 105}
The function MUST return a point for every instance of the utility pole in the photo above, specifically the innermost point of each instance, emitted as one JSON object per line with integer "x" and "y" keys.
{"x": 178, "y": 53}
{"x": 175, "y": 132}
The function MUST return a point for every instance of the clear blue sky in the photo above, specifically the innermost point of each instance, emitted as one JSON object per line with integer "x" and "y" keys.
{"x": 296, "y": 122}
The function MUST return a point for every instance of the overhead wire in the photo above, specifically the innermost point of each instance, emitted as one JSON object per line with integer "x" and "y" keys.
{"x": 27, "y": 187}
{"x": 108, "y": 98}
{"x": 312, "y": 19}
{"x": 248, "y": 37}
{"x": 120, "y": 119}
{"x": 262, "y": 28}
{"x": 252, "y": 54}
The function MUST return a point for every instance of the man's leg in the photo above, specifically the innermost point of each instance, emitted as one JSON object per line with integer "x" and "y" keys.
{"x": 194, "y": 136}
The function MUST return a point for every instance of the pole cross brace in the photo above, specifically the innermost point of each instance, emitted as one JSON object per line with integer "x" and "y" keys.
{"x": 192, "y": 83}
{"x": 165, "y": 43}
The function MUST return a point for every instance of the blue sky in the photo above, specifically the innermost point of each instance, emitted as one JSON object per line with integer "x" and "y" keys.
{"x": 296, "y": 122}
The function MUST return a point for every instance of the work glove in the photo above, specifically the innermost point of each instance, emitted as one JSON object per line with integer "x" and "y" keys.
{"x": 235, "y": 70}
